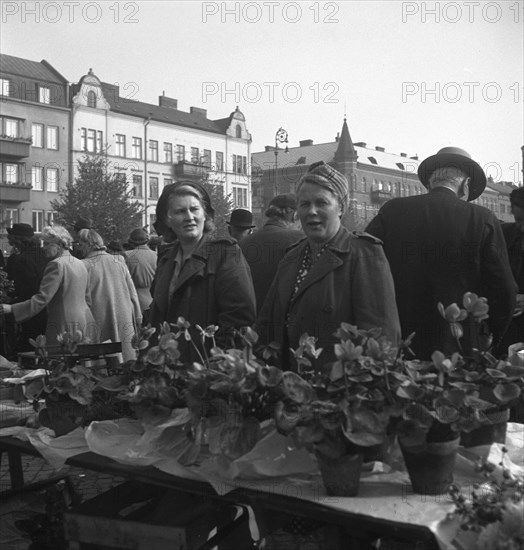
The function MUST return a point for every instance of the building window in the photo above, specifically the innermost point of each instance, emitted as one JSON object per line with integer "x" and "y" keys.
{"x": 238, "y": 131}
{"x": 239, "y": 164}
{"x": 167, "y": 181}
{"x": 502, "y": 208}
{"x": 180, "y": 153}
{"x": 240, "y": 197}
{"x": 11, "y": 174}
{"x": 44, "y": 94}
{"x": 195, "y": 155}
{"x": 207, "y": 158}
{"x": 168, "y": 152}
{"x": 37, "y": 133}
{"x": 153, "y": 188}
{"x": 51, "y": 177}
{"x": 219, "y": 161}
{"x": 153, "y": 150}
{"x": 11, "y": 216}
{"x": 91, "y": 140}
{"x": 51, "y": 218}
{"x": 136, "y": 148}
{"x": 137, "y": 186}
{"x": 120, "y": 141}
{"x": 37, "y": 180}
{"x": 11, "y": 127}
{"x": 120, "y": 177}
{"x": 5, "y": 87}
{"x": 91, "y": 99}
{"x": 52, "y": 137}
{"x": 38, "y": 220}
{"x": 152, "y": 220}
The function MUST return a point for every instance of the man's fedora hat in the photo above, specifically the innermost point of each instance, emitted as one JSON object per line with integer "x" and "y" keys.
{"x": 241, "y": 218}
{"x": 20, "y": 230}
{"x": 454, "y": 157}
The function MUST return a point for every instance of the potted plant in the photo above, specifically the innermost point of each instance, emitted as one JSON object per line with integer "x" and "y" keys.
{"x": 231, "y": 395}
{"x": 448, "y": 396}
{"x": 343, "y": 408}
{"x": 74, "y": 393}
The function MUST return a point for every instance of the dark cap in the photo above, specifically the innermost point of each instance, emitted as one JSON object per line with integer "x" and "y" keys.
{"x": 20, "y": 230}
{"x": 115, "y": 246}
{"x": 288, "y": 200}
{"x": 241, "y": 218}
{"x": 138, "y": 236}
{"x": 82, "y": 223}
{"x": 516, "y": 197}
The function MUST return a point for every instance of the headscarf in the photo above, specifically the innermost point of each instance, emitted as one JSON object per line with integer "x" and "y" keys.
{"x": 326, "y": 176}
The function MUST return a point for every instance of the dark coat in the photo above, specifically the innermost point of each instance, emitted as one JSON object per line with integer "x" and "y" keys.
{"x": 26, "y": 270}
{"x": 514, "y": 237}
{"x": 263, "y": 250}
{"x": 440, "y": 247}
{"x": 350, "y": 282}
{"x": 214, "y": 288}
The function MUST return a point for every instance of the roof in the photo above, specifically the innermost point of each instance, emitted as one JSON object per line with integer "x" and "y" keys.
{"x": 38, "y": 70}
{"x": 326, "y": 152}
{"x": 161, "y": 114}
{"x": 502, "y": 188}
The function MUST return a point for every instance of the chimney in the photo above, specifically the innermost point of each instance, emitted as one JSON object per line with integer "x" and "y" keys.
{"x": 414, "y": 158}
{"x": 338, "y": 137}
{"x": 198, "y": 111}
{"x": 306, "y": 142}
{"x": 269, "y": 148}
{"x": 360, "y": 144}
{"x": 381, "y": 149}
{"x": 167, "y": 102}
{"x": 403, "y": 155}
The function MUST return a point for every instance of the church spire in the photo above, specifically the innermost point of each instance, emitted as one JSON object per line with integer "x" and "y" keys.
{"x": 345, "y": 151}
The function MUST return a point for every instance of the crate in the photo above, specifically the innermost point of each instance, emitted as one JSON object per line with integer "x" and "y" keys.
{"x": 136, "y": 516}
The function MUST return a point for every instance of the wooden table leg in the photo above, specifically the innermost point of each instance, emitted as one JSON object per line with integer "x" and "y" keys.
{"x": 15, "y": 469}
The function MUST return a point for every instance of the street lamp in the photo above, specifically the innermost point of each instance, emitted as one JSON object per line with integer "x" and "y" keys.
{"x": 280, "y": 137}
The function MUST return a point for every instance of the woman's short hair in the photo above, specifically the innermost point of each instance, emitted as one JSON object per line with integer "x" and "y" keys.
{"x": 23, "y": 243}
{"x": 93, "y": 240}
{"x": 182, "y": 189}
{"x": 57, "y": 234}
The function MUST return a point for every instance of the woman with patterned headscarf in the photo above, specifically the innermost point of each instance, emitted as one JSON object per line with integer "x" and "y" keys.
{"x": 330, "y": 277}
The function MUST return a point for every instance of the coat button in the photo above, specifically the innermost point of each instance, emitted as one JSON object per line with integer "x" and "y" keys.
{"x": 328, "y": 309}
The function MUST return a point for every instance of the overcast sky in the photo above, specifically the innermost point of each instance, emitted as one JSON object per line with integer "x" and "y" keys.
{"x": 410, "y": 76}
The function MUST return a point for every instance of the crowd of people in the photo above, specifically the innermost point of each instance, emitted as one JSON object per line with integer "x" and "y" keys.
{"x": 301, "y": 272}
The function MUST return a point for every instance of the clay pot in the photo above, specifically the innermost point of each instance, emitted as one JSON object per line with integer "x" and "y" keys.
{"x": 430, "y": 466}
{"x": 494, "y": 432}
{"x": 341, "y": 476}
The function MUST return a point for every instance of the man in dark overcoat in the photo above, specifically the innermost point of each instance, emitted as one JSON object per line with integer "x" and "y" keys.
{"x": 514, "y": 236}
{"x": 267, "y": 246}
{"x": 440, "y": 246}
{"x": 25, "y": 267}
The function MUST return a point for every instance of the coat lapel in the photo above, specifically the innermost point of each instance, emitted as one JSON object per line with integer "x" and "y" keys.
{"x": 328, "y": 262}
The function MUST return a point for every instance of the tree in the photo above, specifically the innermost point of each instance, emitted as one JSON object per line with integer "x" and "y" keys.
{"x": 100, "y": 196}
{"x": 221, "y": 203}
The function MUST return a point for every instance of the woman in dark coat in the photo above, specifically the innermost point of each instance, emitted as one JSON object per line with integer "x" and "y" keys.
{"x": 25, "y": 267}
{"x": 330, "y": 277}
{"x": 205, "y": 281}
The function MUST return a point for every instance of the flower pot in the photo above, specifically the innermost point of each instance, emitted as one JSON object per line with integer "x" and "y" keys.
{"x": 62, "y": 416}
{"x": 494, "y": 432}
{"x": 430, "y": 466}
{"x": 341, "y": 476}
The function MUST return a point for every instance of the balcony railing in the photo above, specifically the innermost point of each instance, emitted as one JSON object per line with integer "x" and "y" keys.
{"x": 379, "y": 196}
{"x": 15, "y": 192}
{"x": 14, "y": 147}
{"x": 184, "y": 169}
